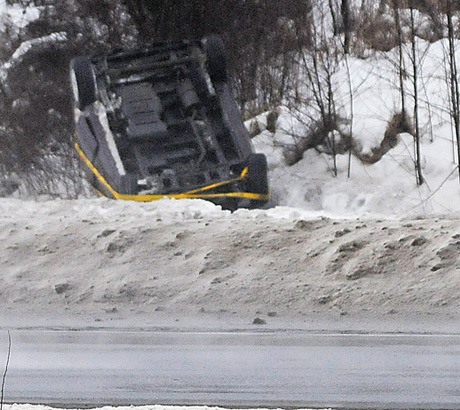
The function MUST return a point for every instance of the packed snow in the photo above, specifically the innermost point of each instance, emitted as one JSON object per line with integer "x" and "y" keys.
{"x": 109, "y": 260}
{"x": 156, "y": 407}
{"x": 16, "y": 14}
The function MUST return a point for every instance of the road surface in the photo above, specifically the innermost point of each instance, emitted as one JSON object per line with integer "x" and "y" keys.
{"x": 238, "y": 369}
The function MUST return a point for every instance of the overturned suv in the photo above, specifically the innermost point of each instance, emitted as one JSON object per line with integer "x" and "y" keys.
{"x": 162, "y": 122}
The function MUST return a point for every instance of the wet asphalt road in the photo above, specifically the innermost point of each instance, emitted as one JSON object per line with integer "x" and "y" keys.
{"x": 237, "y": 369}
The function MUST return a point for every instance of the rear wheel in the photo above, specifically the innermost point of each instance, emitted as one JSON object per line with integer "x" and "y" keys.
{"x": 256, "y": 180}
{"x": 83, "y": 81}
{"x": 216, "y": 58}
{"x": 229, "y": 204}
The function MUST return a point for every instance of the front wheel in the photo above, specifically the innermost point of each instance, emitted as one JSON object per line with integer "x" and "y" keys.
{"x": 83, "y": 81}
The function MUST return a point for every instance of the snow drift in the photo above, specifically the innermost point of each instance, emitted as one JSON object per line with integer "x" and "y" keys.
{"x": 107, "y": 259}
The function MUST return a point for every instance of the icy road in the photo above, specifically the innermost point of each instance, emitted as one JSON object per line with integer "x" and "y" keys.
{"x": 261, "y": 368}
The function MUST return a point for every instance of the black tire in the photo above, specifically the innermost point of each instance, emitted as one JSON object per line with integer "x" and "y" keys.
{"x": 83, "y": 82}
{"x": 256, "y": 180}
{"x": 229, "y": 204}
{"x": 216, "y": 58}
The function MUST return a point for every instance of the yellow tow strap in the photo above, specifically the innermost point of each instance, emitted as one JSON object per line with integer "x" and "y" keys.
{"x": 200, "y": 193}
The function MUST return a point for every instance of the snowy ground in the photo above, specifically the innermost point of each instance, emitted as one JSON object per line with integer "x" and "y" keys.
{"x": 17, "y": 14}
{"x": 106, "y": 260}
{"x": 157, "y": 407}
{"x": 387, "y": 187}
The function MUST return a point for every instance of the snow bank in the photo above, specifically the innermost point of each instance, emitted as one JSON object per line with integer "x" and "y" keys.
{"x": 17, "y": 14}
{"x": 156, "y": 407}
{"x": 387, "y": 187}
{"x": 112, "y": 260}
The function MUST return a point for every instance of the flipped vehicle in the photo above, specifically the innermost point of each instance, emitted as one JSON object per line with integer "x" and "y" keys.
{"x": 162, "y": 122}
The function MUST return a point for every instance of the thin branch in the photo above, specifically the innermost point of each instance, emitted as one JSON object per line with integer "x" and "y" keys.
{"x": 425, "y": 200}
{"x": 25, "y": 48}
{"x": 350, "y": 90}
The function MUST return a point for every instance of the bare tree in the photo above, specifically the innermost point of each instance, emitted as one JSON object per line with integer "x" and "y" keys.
{"x": 415, "y": 74}
{"x": 347, "y": 27}
{"x": 315, "y": 106}
{"x": 454, "y": 81}
{"x": 259, "y": 37}
{"x": 401, "y": 67}
{"x": 35, "y": 92}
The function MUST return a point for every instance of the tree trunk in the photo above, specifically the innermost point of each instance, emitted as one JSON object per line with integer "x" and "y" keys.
{"x": 454, "y": 84}
{"x": 418, "y": 167}
{"x": 346, "y": 18}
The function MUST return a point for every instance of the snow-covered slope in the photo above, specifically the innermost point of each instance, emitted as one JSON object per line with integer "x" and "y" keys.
{"x": 389, "y": 186}
{"x": 107, "y": 259}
